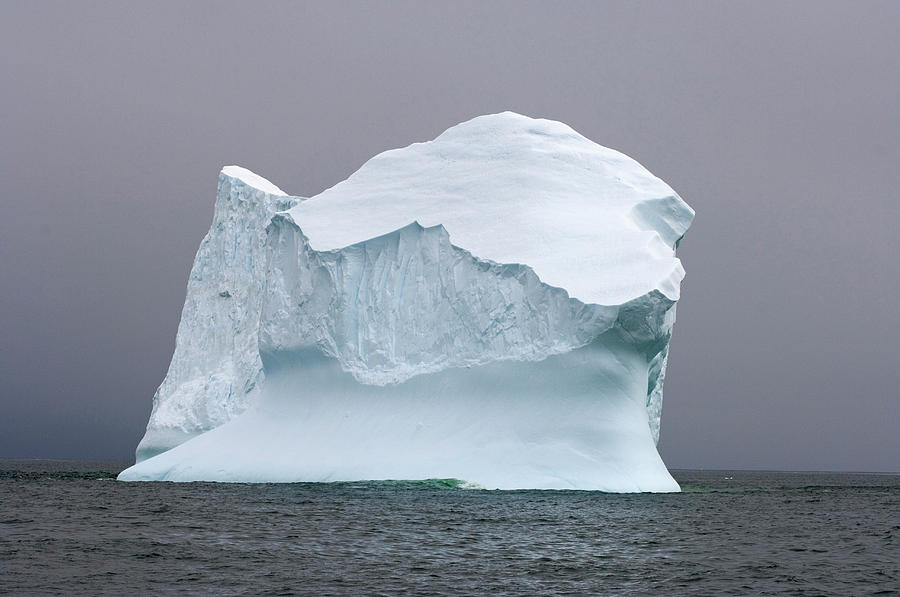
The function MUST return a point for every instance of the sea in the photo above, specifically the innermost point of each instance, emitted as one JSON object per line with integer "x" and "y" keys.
{"x": 69, "y": 528}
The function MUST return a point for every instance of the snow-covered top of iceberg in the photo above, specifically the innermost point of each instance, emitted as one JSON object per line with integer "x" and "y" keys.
{"x": 513, "y": 189}
{"x": 252, "y": 179}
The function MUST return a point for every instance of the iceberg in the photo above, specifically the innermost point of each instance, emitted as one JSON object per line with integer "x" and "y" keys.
{"x": 493, "y": 306}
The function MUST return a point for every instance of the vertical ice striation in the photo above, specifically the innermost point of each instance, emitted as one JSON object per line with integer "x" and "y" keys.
{"x": 216, "y": 371}
{"x": 495, "y": 305}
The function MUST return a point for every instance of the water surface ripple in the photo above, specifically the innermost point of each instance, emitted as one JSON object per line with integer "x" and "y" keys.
{"x": 68, "y": 527}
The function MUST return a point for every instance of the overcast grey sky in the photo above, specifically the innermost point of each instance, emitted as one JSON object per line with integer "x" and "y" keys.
{"x": 777, "y": 122}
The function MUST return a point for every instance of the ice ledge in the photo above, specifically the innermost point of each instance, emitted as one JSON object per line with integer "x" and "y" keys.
{"x": 253, "y": 180}
{"x": 464, "y": 282}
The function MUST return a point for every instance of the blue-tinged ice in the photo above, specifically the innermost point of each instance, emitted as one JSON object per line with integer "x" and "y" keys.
{"x": 494, "y": 306}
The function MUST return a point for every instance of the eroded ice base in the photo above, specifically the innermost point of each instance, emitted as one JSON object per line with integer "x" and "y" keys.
{"x": 570, "y": 421}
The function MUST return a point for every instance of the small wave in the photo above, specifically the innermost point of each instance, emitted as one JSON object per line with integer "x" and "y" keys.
{"x": 18, "y": 475}
{"x": 410, "y": 484}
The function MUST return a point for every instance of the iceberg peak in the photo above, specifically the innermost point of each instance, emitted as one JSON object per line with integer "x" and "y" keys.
{"x": 508, "y": 123}
{"x": 518, "y": 190}
{"x": 252, "y": 179}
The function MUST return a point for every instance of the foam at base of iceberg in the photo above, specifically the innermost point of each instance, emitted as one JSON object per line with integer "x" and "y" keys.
{"x": 406, "y": 354}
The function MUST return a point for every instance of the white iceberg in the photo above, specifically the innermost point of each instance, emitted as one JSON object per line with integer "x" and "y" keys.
{"x": 493, "y": 306}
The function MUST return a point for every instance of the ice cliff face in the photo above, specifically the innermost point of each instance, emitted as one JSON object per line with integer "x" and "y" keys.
{"x": 494, "y": 305}
{"x": 216, "y": 372}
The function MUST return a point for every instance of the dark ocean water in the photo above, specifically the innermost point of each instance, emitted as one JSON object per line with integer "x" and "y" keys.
{"x": 67, "y": 527}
